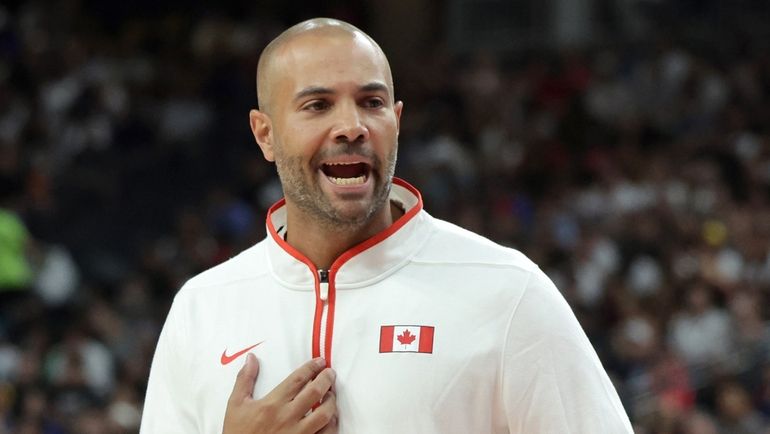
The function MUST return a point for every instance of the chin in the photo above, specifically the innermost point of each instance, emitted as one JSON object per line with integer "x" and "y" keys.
{"x": 353, "y": 214}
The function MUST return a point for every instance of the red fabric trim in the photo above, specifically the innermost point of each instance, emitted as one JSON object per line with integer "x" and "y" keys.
{"x": 315, "y": 349}
{"x": 284, "y": 245}
{"x": 330, "y": 321}
{"x": 366, "y": 244}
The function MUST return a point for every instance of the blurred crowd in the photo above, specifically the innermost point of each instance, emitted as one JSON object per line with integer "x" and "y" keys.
{"x": 637, "y": 175}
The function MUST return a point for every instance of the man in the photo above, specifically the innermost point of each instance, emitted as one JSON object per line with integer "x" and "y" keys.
{"x": 412, "y": 325}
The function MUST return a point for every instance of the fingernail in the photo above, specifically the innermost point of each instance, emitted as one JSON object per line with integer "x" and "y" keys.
{"x": 320, "y": 362}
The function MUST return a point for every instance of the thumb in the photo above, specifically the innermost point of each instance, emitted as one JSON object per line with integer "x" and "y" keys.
{"x": 247, "y": 376}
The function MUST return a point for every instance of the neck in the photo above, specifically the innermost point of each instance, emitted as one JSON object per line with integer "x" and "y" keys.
{"x": 323, "y": 243}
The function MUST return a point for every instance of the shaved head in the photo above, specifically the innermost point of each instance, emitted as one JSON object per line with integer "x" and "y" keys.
{"x": 316, "y": 27}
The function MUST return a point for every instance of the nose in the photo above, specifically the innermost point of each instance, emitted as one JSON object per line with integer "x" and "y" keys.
{"x": 349, "y": 126}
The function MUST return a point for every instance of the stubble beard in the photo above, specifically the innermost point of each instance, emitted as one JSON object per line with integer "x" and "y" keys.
{"x": 308, "y": 196}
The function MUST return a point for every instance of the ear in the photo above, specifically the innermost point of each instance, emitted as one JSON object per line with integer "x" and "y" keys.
{"x": 262, "y": 128}
{"x": 397, "y": 107}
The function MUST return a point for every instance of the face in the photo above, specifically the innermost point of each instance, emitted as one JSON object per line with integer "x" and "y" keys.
{"x": 331, "y": 128}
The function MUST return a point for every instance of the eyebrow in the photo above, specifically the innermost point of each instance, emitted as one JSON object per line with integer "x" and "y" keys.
{"x": 374, "y": 87}
{"x": 320, "y": 90}
{"x": 313, "y": 91}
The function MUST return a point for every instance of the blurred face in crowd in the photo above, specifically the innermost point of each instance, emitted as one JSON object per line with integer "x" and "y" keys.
{"x": 733, "y": 402}
{"x": 699, "y": 300}
{"x": 329, "y": 121}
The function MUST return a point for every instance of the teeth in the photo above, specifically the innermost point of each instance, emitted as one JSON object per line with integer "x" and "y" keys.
{"x": 348, "y": 181}
{"x": 340, "y": 164}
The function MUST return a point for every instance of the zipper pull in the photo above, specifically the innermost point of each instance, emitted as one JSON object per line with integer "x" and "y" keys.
{"x": 323, "y": 279}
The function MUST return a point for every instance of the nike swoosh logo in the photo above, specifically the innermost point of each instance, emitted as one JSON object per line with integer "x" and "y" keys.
{"x": 225, "y": 359}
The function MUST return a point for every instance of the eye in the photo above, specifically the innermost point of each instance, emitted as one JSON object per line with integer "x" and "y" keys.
{"x": 316, "y": 106}
{"x": 375, "y": 102}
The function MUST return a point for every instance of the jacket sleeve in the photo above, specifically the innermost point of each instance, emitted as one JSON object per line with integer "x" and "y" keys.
{"x": 168, "y": 405}
{"x": 552, "y": 379}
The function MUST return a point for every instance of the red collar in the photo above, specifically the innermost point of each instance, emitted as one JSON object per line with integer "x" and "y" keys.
{"x": 363, "y": 263}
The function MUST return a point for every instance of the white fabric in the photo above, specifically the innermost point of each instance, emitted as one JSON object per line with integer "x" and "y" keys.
{"x": 508, "y": 353}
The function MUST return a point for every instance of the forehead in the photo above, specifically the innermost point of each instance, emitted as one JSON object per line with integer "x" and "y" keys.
{"x": 328, "y": 59}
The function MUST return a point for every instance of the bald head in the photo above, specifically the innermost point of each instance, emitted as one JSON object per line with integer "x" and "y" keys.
{"x": 315, "y": 27}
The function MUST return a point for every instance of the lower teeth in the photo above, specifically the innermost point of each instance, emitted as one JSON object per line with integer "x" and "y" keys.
{"x": 348, "y": 181}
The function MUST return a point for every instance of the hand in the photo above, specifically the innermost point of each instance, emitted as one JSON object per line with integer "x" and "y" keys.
{"x": 285, "y": 409}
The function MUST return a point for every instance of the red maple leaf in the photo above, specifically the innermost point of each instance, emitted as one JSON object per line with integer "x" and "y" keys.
{"x": 406, "y": 337}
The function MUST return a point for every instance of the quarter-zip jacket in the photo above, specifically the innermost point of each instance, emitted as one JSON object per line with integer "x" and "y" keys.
{"x": 506, "y": 353}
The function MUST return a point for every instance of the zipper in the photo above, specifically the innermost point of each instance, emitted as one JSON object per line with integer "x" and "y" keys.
{"x": 323, "y": 281}
{"x": 323, "y": 295}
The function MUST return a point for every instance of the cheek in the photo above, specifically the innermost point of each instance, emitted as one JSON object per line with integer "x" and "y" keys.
{"x": 303, "y": 139}
{"x": 385, "y": 126}
{"x": 386, "y": 134}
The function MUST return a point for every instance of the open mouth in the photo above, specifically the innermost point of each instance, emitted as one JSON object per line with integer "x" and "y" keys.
{"x": 346, "y": 173}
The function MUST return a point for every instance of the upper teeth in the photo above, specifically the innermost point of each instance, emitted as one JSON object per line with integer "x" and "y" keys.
{"x": 339, "y": 164}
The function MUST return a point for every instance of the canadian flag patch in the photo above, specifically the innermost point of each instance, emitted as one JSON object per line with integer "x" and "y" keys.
{"x": 406, "y": 339}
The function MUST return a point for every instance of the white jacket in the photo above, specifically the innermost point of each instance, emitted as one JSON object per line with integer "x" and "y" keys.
{"x": 430, "y": 328}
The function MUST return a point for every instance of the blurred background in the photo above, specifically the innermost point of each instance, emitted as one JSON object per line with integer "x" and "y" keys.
{"x": 624, "y": 145}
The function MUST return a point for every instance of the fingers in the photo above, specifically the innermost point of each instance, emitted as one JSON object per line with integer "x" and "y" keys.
{"x": 323, "y": 418}
{"x": 290, "y": 387}
{"x": 287, "y": 408}
{"x": 247, "y": 376}
{"x": 314, "y": 391}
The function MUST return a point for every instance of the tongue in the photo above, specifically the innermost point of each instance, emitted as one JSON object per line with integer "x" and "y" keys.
{"x": 345, "y": 170}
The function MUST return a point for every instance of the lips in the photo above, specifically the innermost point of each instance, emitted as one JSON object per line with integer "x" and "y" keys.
{"x": 346, "y": 172}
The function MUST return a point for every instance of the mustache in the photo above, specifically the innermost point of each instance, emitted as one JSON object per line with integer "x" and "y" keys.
{"x": 347, "y": 150}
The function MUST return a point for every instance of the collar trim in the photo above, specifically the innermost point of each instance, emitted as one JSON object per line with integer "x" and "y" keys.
{"x": 387, "y": 232}
{"x": 401, "y": 190}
